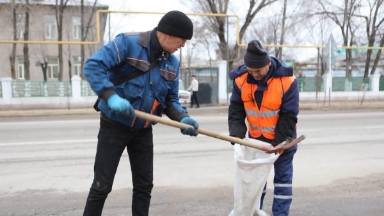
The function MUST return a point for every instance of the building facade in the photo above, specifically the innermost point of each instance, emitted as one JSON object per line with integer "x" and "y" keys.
{"x": 43, "y": 26}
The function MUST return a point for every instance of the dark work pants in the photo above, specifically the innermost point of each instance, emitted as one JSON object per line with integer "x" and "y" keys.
{"x": 194, "y": 99}
{"x": 113, "y": 138}
{"x": 282, "y": 181}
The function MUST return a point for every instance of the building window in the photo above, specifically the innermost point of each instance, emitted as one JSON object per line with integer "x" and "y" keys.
{"x": 77, "y": 65}
{"x": 53, "y": 68}
{"x": 20, "y": 25}
{"x": 20, "y": 68}
{"x": 50, "y": 26}
{"x": 76, "y": 27}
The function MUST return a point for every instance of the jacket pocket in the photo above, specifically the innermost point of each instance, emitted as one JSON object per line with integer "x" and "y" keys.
{"x": 131, "y": 91}
{"x": 168, "y": 75}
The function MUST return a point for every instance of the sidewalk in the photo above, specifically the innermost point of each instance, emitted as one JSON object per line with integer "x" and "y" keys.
{"x": 204, "y": 109}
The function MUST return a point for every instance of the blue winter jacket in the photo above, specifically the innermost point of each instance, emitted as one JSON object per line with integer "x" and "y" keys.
{"x": 154, "y": 92}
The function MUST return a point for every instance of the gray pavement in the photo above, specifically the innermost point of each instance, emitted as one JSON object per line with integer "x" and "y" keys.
{"x": 46, "y": 165}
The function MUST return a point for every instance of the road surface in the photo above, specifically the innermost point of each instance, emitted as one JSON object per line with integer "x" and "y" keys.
{"x": 46, "y": 165}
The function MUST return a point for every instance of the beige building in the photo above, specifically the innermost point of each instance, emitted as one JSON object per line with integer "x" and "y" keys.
{"x": 43, "y": 27}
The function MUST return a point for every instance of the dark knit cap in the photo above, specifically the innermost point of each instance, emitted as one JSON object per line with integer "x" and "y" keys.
{"x": 177, "y": 24}
{"x": 256, "y": 56}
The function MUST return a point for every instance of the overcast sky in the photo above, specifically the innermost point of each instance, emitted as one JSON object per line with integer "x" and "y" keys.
{"x": 131, "y": 22}
{"x": 143, "y": 22}
{"x": 144, "y": 5}
{"x": 139, "y": 22}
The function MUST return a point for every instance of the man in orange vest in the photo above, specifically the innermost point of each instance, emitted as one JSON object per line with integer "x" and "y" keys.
{"x": 266, "y": 93}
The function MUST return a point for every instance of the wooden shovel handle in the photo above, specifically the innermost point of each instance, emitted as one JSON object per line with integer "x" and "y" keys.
{"x": 216, "y": 135}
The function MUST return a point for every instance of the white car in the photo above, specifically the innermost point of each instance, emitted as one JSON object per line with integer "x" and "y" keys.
{"x": 184, "y": 95}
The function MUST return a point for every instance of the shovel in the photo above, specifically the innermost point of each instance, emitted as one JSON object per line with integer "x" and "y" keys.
{"x": 260, "y": 146}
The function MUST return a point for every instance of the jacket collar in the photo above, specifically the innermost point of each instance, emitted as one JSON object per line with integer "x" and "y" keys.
{"x": 144, "y": 39}
{"x": 150, "y": 41}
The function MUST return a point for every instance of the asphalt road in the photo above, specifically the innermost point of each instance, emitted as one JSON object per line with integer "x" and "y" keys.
{"x": 46, "y": 165}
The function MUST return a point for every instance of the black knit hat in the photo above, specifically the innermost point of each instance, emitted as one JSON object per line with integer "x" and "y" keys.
{"x": 177, "y": 24}
{"x": 256, "y": 56}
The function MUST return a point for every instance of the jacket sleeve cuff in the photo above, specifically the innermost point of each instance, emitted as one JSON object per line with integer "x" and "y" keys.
{"x": 285, "y": 128}
{"x": 107, "y": 93}
{"x": 238, "y": 136}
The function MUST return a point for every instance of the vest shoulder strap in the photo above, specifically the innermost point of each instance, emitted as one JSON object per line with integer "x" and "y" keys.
{"x": 286, "y": 82}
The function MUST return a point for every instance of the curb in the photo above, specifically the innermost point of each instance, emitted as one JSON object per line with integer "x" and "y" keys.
{"x": 193, "y": 111}
{"x": 19, "y": 113}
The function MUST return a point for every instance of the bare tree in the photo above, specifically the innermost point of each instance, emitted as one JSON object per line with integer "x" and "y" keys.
{"x": 26, "y": 38}
{"x": 280, "y": 49}
{"x": 82, "y": 55}
{"x": 318, "y": 33}
{"x": 43, "y": 61}
{"x": 69, "y": 64}
{"x": 342, "y": 16}
{"x": 373, "y": 23}
{"x": 281, "y": 24}
{"x": 85, "y": 30}
{"x": 266, "y": 31}
{"x": 293, "y": 15}
{"x": 218, "y": 23}
{"x": 203, "y": 38}
{"x": 12, "y": 57}
{"x": 191, "y": 46}
{"x": 376, "y": 62}
{"x": 69, "y": 54}
{"x": 60, "y": 7}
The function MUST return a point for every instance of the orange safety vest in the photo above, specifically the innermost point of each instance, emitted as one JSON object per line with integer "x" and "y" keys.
{"x": 263, "y": 121}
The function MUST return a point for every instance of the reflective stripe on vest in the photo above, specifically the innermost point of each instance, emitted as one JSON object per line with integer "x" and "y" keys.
{"x": 263, "y": 121}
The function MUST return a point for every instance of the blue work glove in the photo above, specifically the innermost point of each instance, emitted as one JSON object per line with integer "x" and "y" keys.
{"x": 190, "y": 131}
{"x": 120, "y": 106}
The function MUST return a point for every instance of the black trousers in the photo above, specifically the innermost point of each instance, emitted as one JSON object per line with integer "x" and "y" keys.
{"x": 194, "y": 99}
{"x": 113, "y": 138}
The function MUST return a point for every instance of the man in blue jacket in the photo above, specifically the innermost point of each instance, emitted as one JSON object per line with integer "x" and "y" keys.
{"x": 154, "y": 91}
{"x": 266, "y": 94}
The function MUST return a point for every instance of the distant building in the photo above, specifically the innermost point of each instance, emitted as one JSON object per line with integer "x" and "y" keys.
{"x": 43, "y": 27}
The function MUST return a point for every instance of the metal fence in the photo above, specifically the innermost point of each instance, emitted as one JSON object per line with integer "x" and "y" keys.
{"x": 351, "y": 84}
{"x": 306, "y": 84}
{"x": 313, "y": 84}
{"x": 41, "y": 89}
{"x": 64, "y": 88}
{"x": 1, "y": 91}
{"x": 86, "y": 89}
{"x": 310, "y": 84}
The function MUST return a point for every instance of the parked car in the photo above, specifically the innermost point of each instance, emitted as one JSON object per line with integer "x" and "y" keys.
{"x": 184, "y": 95}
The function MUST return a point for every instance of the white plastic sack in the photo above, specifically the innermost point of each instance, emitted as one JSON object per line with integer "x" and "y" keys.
{"x": 252, "y": 170}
